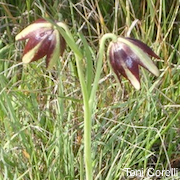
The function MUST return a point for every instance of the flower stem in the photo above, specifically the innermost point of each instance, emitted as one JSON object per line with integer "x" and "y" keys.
{"x": 99, "y": 66}
{"x": 87, "y": 114}
{"x": 87, "y": 122}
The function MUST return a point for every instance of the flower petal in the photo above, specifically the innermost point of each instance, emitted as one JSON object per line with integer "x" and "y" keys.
{"x": 54, "y": 50}
{"x": 144, "y": 59}
{"x": 37, "y": 47}
{"x": 144, "y": 47}
{"x": 38, "y": 27}
{"x": 123, "y": 63}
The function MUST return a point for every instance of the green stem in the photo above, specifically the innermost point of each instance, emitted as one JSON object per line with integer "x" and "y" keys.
{"x": 87, "y": 114}
{"x": 99, "y": 67}
{"x": 87, "y": 122}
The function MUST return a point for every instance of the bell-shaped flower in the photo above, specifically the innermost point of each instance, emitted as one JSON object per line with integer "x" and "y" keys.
{"x": 43, "y": 40}
{"x": 126, "y": 54}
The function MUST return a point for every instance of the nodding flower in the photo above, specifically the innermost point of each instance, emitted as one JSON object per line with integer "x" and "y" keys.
{"x": 43, "y": 40}
{"x": 126, "y": 54}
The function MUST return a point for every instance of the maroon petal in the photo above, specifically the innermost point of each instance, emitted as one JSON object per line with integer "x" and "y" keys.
{"x": 113, "y": 61}
{"x": 132, "y": 58}
{"x": 37, "y": 47}
{"x": 143, "y": 46}
{"x": 50, "y": 51}
{"x": 54, "y": 49}
{"x": 124, "y": 64}
{"x": 140, "y": 55}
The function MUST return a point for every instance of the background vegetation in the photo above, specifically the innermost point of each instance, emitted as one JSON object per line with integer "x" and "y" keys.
{"x": 41, "y": 112}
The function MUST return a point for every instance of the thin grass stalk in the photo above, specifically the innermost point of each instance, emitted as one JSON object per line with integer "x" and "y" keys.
{"x": 164, "y": 130}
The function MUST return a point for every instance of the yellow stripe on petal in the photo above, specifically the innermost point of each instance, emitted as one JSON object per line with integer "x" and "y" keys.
{"x": 143, "y": 57}
{"x": 27, "y": 58}
{"x": 54, "y": 55}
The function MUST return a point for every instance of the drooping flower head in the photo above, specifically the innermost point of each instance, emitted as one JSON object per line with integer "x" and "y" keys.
{"x": 43, "y": 40}
{"x": 126, "y": 54}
